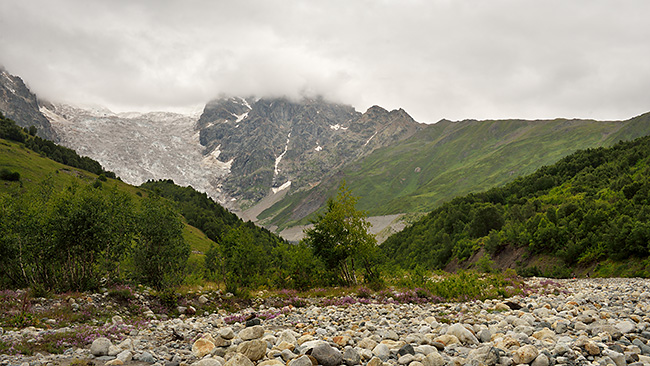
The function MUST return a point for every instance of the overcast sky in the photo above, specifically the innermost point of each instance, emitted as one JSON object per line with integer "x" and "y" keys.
{"x": 453, "y": 59}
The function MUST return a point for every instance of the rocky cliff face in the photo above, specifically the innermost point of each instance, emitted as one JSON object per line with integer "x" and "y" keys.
{"x": 18, "y": 103}
{"x": 279, "y": 144}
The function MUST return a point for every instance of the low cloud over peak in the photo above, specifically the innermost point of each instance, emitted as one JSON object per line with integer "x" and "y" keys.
{"x": 435, "y": 59}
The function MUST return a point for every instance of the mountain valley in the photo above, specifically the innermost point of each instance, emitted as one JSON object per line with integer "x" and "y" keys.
{"x": 276, "y": 161}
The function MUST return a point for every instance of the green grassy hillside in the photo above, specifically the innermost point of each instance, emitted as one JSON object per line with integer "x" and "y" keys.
{"x": 449, "y": 159}
{"x": 591, "y": 206}
{"x": 34, "y": 169}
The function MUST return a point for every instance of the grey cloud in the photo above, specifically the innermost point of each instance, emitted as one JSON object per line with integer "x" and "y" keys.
{"x": 436, "y": 59}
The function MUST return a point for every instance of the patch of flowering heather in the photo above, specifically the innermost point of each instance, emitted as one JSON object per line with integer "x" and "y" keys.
{"x": 9, "y": 295}
{"x": 340, "y": 301}
{"x": 548, "y": 286}
{"x": 158, "y": 308}
{"x": 81, "y": 336}
{"x": 297, "y": 302}
{"x": 235, "y": 318}
{"x": 268, "y": 315}
{"x": 364, "y": 292}
{"x": 410, "y": 297}
{"x": 12, "y": 300}
{"x": 549, "y": 282}
{"x": 123, "y": 294}
{"x": 289, "y": 293}
{"x": 385, "y": 294}
{"x": 182, "y": 301}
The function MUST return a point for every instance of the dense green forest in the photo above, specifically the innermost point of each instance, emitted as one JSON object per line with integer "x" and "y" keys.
{"x": 589, "y": 206}
{"x": 244, "y": 255}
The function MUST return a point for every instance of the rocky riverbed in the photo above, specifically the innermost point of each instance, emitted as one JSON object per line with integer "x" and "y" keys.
{"x": 580, "y": 322}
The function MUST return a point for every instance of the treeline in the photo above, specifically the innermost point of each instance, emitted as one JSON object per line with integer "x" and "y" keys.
{"x": 75, "y": 238}
{"x": 244, "y": 255}
{"x": 591, "y": 205}
{"x": 10, "y": 131}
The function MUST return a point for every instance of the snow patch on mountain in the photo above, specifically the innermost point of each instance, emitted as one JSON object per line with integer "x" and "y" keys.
{"x": 212, "y": 162}
{"x": 10, "y": 84}
{"x": 337, "y": 127}
{"x": 284, "y": 186}
{"x": 368, "y": 141}
{"x": 244, "y": 102}
{"x": 241, "y": 117}
{"x": 279, "y": 158}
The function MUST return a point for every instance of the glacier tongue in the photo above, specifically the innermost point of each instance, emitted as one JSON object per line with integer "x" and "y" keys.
{"x": 143, "y": 146}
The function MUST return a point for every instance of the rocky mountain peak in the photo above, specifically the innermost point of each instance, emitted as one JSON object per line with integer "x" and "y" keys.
{"x": 376, "y": 110}
{"x": 278, "y": 143}
{"x": 400, "y": 114}
{"x": 18, "y": 103}
{"x": 224, "y": 110}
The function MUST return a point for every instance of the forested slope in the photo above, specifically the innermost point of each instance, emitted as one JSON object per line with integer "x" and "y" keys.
{"x": 590, "y": 206}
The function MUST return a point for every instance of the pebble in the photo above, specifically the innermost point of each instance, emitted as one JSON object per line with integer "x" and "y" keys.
{"x": 579, "y": 322}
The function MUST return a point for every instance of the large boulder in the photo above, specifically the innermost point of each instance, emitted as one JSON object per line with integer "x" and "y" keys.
{"x": 239, "y": 360}
{"x": 463, "y": 334}
{"x": 434, "y": 359}
{"x": 326, "y": 355}
{"x": 202, "y": 347}
{"x": 525, "y": 354}
{"x": 254, "y": 332}
{"x": 254, "y": 349}
{"x": 100, "y": 346}
{"x": 486, "y": 355}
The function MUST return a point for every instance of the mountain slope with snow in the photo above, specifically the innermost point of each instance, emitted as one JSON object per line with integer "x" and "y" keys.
{"x": 141, "y": 146}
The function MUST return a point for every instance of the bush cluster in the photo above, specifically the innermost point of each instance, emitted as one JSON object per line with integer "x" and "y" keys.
{"x": 72, "y": 239}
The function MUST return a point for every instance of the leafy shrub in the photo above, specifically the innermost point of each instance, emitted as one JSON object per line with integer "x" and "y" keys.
{"x": 168, "y": 298}
{"x": 160, "y": 253}
{"x": 122, "y": 294}
{"x": 485, "y": 264}
{"x": 8, "y": 175}
{"x": 39, "y": 290}
{"x": 69, "y": 239}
